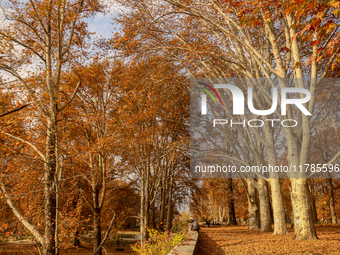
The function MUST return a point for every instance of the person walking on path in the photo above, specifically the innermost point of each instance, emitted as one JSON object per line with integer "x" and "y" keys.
{"x": 195, "y": 226}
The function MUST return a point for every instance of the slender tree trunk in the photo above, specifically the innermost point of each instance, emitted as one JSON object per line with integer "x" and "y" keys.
{"x": 168, "y": 216}
{"x": 280, "y": 227}
{"x": 219, "y": 213}
{"x": 331, "y": 201}
{"x": 56, "y": 223}
{"x": 162, "y": 202}
{"x": 97, "y": 230}
{"x": 253, "y": 209}
{"x": 50, "y": 196}
{"x": 264, "y": 206}
{"x": 303, "y": 222}
{"x": 277, "y": 207}
{"x": 147, "y": 206}
{"x": 50, "y": 164}
{"x": 59, "y": 173}
{"x": 231, "y": 206}
{"x": 270, "y": 206}
{"x": 312, "y": 202}
{"x": 96, "y": 219}
{"x": 223, "y": 213}
{"x": 142, "y": 211}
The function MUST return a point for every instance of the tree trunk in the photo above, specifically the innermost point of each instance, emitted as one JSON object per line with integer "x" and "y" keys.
{"x": 277, "y": 207}
{"x": 221, "y": 212}
{"x": 96, "y": 219}
{"x": 59, "y": 173}
{"x": 280, "y": 227}
{"x": 303, "y": 222}
{"x": 254, "y": 215}
{"x": 264, "y": 206}
{"x": 270, "y": 207}
{"x": 142, "y": 212}
{"x": 299, "y": 151}
{"x": 97, "y": 231}
{"x": 56, "y": 222}
{"x": 162, "y": 204}
{"x": 50, "y": 196}
{"x": 231, "y": 206}
{"x": 168, "y": 216}
{"x": 147, "y": 204}
{"x": 331, "y": 201}
{"x": 313, "y": 209}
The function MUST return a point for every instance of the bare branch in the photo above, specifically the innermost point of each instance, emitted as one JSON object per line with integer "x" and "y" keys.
{"x": 72, "y": 97}
{"x": 14, "y": 110}
{"x": 27, "y": 142}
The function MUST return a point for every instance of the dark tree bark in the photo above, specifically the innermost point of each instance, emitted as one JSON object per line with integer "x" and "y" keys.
{"x": 254, "y": 214}
{"x": 96, "y": 210}
{"x": 312, "y": 204}
{"x": 264, "y": 206}
{"x": 331, "y": 201}
{"x": 231, "y": 206}
{"x": 49, "y": 189}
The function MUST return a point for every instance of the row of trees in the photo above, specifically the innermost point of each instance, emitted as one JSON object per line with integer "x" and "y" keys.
{"x": 273, "y": 40}
{"x": 213, "y": 202}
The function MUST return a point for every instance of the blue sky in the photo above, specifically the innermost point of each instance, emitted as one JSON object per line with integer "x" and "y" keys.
{"x": 102, "y": 25}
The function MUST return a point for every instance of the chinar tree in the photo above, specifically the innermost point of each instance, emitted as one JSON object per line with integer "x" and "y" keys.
{"x": 44, "y": 38}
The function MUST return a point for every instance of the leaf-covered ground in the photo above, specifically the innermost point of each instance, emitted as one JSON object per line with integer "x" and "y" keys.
{"x": 29, "y": 249}
{"x": 239, "y": 240}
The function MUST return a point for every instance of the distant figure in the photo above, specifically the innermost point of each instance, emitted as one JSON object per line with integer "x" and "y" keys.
{"x": 76, "y": 241}
{"x": 195, "y": 226}
{"x": 206, "y": 223}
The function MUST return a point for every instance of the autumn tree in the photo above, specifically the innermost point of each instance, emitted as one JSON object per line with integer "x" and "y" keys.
{"x": 93, "y": 135}
{"x": 152, "y": 133}
{"x": 52, "y": 36}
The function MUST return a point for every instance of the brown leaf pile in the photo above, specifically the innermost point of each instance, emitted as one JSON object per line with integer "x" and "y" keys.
{"x": 239, "y": 240}
{"x": 21, "y": 249}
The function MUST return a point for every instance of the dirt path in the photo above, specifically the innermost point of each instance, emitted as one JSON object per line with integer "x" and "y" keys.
{"x": 239, "y": 240}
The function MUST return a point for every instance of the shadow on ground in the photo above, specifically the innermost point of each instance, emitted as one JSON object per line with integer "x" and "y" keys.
{"x": 207, "y": 246}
